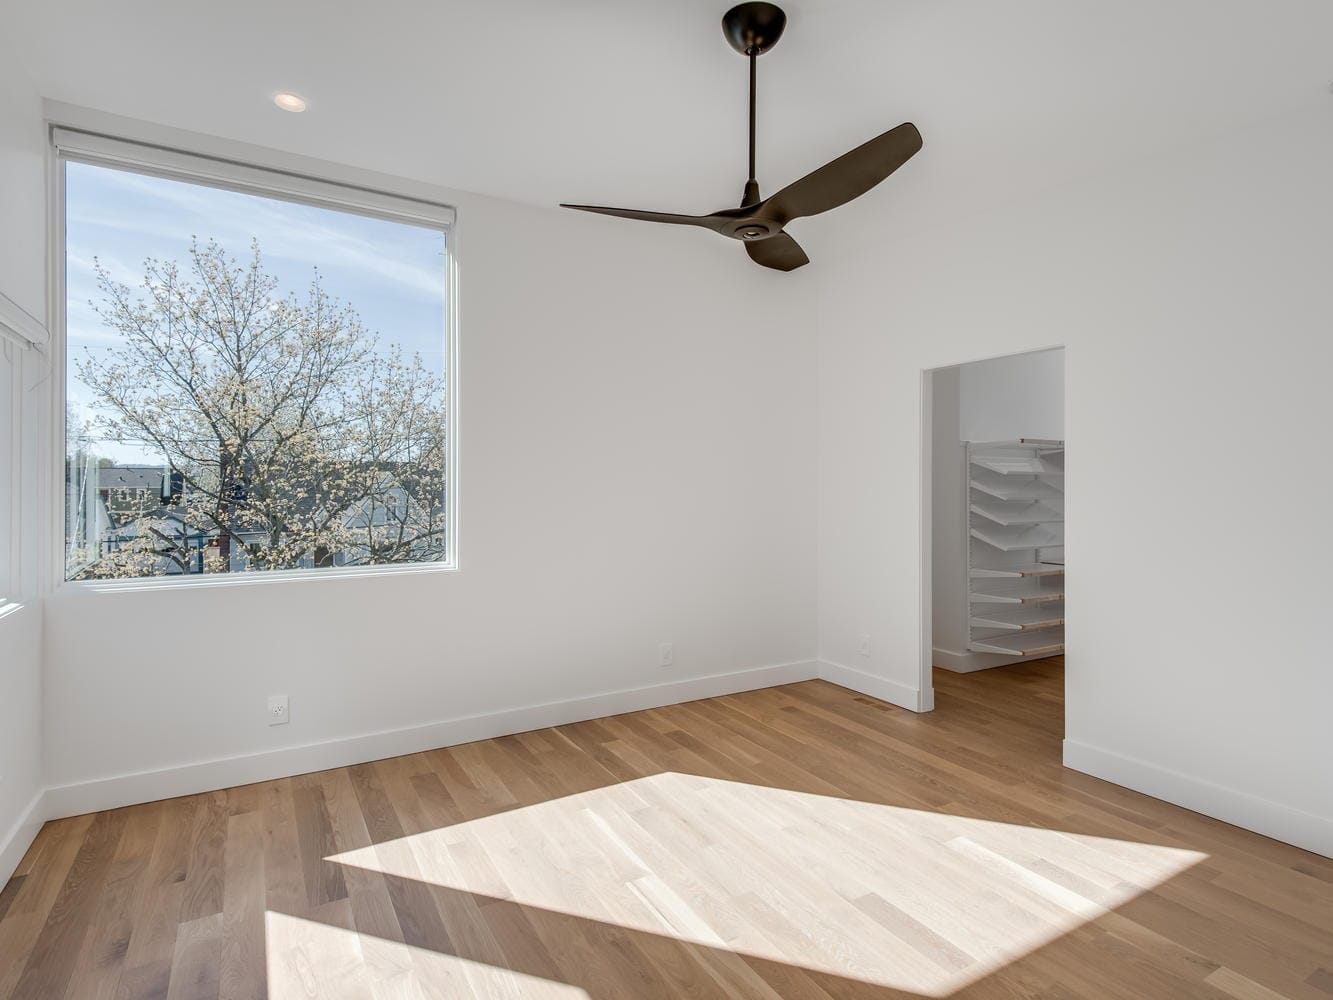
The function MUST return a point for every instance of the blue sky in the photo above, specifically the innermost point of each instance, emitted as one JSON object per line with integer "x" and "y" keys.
{"x": 390, "y": 272}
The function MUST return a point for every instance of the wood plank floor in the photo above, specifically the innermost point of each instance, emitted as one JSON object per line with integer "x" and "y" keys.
{"x": 801, "y": 841}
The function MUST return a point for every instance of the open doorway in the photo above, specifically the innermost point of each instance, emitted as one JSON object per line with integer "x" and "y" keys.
{"x": 995, "y": 436}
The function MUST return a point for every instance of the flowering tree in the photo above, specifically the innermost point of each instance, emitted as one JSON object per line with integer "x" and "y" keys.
{"x": 288, "y": 431}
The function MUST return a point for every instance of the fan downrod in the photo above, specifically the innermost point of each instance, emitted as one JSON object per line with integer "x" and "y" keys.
{"x": 753, "y": 28}
{"x": 760, "y": 223}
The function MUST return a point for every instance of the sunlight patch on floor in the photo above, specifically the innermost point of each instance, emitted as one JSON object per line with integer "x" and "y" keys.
{"x": 308, "y": 958}
{"x": 902, "y": 898}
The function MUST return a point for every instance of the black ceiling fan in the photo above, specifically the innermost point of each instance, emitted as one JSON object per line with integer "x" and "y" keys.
{"x": 753, "y": 29}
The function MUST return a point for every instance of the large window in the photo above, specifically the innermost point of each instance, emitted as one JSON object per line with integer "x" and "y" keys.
{"x": 256, "y": 369}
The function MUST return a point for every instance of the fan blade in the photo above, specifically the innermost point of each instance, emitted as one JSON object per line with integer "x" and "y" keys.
{"x": 780, "y": 252}
{"x": 849, "y": 176}
{"x": 712, "y": 222}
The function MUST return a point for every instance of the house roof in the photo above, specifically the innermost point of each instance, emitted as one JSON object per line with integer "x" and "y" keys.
{"x": 130, "y": 477}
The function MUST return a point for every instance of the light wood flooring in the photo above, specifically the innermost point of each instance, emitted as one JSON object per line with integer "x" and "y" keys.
{"x": 796, "y": 842}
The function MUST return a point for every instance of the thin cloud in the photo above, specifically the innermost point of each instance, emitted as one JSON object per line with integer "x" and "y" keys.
{"x": 154, "y": 207}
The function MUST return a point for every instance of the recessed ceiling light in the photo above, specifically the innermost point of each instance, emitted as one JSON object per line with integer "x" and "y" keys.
{"x": 289, "y": 102}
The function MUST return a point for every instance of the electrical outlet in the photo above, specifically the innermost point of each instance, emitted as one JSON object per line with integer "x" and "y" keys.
{"x": 277, "y": 710}
{"x": 863, "y": 644}
{"x": 666, "y": 656}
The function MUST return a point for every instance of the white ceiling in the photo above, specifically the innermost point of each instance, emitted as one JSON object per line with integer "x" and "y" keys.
{"x": 641, "y": 103}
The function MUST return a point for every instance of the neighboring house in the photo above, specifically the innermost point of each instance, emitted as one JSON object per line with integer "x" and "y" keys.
{"x": 120, "y": 505}
{"x": 127, "y": 487}
{"x": 394, "y": 505}
{"x": 100, "y": 499}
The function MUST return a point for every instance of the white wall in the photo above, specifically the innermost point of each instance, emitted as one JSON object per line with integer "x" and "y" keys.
{"x": 22, "y": 279}
{"x": 948, "y": 518}
{"x": 1019, "y": 395}
{"x": 20, "y": 734}
{"x": 1194, "y": 297}
{"x": 637, "y": 437}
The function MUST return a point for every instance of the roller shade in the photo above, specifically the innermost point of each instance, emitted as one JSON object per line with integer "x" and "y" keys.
{"x": 265, "y": 180}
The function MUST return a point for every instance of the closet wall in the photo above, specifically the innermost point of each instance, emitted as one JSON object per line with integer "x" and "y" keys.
{"x": 998, "y": 399}
{"x": 1016, "y": 396}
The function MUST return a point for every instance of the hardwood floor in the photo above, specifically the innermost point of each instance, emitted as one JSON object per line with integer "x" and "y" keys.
{"x": 801, "y": 841}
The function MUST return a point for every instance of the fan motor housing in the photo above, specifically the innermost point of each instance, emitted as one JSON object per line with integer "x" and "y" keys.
{"x": 752, "y": 230}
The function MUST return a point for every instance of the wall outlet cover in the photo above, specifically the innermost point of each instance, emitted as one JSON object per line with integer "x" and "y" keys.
{"x": 278, "y": 713}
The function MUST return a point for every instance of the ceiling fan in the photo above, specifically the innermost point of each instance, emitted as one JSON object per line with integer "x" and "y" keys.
{"x": 752, "y": 29}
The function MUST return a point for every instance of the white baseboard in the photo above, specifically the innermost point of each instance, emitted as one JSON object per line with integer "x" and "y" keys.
{"x": 20, "y": 836}
{"x": 966, "y": 663}
{"x": 1293, "y": 826}
{"x": 188, "y": 779}
{"x": 882, "y": 688}
{"x": 1272, "y": 819}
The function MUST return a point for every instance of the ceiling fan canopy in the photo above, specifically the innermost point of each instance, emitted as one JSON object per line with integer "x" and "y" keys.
{"x": 760, "y": 223}
{"x": 754, "y": 28}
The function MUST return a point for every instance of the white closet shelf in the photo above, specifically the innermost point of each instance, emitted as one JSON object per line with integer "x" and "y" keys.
{"x": 1008, "y": 538}
{"x": 1049, "y": 443}
{"x": 1048, "y": 643}
{"x": 1014, "y": 572}
{"x": 1016, "y": 512}
{"x": 1023, "y": 591}
{"x": 1019, "y": 617}
{"x": 1010, "y": 488}
{"x": 1020, "y": 465}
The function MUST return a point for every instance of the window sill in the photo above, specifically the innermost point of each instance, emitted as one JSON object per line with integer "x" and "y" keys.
{"x": 258, "y": 578}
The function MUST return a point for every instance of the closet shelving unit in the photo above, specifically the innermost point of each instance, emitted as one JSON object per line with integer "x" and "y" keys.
{"x": 1015, "y": 552}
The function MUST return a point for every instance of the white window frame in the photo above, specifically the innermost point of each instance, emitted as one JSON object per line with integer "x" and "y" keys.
{"x": 70, "y": 144}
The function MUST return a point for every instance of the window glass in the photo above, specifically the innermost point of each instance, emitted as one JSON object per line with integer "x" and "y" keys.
{"x": 252, "y": 383}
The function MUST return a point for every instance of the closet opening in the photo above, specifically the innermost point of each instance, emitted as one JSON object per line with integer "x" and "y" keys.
{"x": 994, "y": 529}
